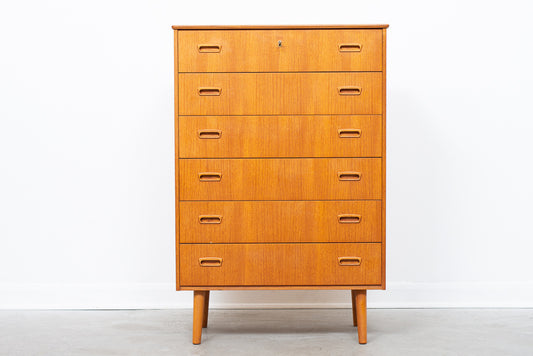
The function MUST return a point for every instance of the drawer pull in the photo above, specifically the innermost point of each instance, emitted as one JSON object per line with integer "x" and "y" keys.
{"x": 210, "y": 219}
{"x": 350, "y": 261}
{"x": 210, "y": 176}
{"x": 349, "y": 218}
{"x": 210, "y": 261}
{"x": 209, "y": 91}
{"x": 350, "y": 47}
{"x": 209, "y": 134}
{"x": 349, "y": 133}
{"x": 350, "y": 90}
{"x": 209, "y": 48}
{"x": 349, "y": 175}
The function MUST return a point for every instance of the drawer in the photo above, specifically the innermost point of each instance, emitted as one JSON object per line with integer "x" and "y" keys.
{"x": 280, "y": 93}
{"x": 261, "y": 51}
{"x": 280, "y": 221}
{"x": 280, "y": 264}
{"x": 280, "y": 136}
{"x": 280, "y": 179}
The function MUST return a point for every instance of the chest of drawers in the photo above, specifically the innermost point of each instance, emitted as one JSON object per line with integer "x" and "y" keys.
{"x": 280, "y": 160}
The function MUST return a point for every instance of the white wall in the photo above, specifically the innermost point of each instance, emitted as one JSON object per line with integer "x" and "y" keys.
{"x": 86, "y": 151}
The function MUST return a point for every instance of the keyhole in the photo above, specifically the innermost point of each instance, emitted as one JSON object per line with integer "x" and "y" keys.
{"x": 279, "y": 43}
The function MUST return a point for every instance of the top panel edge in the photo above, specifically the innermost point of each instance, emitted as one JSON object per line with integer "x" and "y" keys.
{"x": 275, "y": 27}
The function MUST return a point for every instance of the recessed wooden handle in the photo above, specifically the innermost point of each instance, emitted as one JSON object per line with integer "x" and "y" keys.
{"x": 209, "y": 134}
{"x": 210, "y": 176}
{"x": 350, "y": 261}
{"x": 349, "y": 175}
{"x": 350, "y": 47}
{"x": 209, "y": 48}
{"x": 349, "y": 90}
{"x": 210, "y": 219}
{"x": 210, "y": 261}
{"x": 349, "y": 218}
{"x": 209, "y": 91}
{"x": 349, "y": 133}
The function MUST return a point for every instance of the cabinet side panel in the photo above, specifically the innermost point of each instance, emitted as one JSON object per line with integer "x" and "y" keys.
{"x": 176, "y": 155}
{"x": 383, "y": 163}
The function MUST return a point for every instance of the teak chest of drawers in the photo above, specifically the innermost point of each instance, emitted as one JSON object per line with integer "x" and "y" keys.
{"x": 280, "y": 160}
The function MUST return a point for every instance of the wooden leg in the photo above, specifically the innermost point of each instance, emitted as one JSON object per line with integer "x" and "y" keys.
{"x": 360, "y": 302}
{"x": 198, "y": 316}
{"x": 354, "y": 309}
{"x": 206, "y": 309}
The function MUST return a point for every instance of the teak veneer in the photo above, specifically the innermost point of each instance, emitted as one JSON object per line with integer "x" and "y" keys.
{"x": 280, "y": 160}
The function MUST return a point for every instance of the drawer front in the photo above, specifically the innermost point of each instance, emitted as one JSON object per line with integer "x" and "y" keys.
{"x": 280, "y": 93}
{"x": 280, "y": 179}
{"x": 260, "y": 50}
{"x": 280, "y": 221}
{"x": 280, "y": 264}
{"x": 280, "y": 136}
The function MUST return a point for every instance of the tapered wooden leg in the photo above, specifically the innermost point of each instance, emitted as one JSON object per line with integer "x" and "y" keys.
{"x": 360, "y": 302}
{"x": 206, "y": 309}
{"x": 198, "y": 316}
{"x": 354, "y": 309}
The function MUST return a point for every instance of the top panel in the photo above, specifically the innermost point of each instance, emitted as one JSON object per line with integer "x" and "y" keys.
{"x": 271, "y": 27}
{"x": 280, "y": 50}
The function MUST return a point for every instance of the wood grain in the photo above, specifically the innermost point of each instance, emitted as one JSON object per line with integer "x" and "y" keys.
{"x": 280, "y": 221}
{"x": 285, "y": 287}
{"x": 384, "y": 162}
{"x": 280, "y": 93}
{"x": 206, "y": 310}
{"x": 291, "y": 148}
{"x": 263, "y": 27}
{"x": 360, "y": 301}
{"x": 198, "y": 316}
{"x": 280, "y": 136}
{"x": 280, "y": 179}
{"x": 354, "y": 307}
{"x": 176, "y": 154}
{"x": 280, "y": 264}
{"x": 261, "y": 51}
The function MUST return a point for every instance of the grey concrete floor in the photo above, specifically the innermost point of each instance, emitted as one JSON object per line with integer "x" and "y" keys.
{"x": 268, "y": 332}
